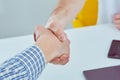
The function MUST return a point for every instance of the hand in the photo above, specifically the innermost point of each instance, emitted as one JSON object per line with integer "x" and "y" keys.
{"x": 116, "y": 20}
{"x": 58, "y": 31}
{"x": 50, "y": 44}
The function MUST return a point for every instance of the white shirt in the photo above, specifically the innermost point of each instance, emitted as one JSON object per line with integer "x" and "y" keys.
{"x": 106, "y": 10}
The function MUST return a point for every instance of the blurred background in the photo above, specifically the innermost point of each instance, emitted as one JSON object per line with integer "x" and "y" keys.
{"x": 19, "y": 17}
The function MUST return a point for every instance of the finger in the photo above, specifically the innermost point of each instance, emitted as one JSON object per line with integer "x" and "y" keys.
{"x": 118, "y": 26}
{"x": 55, "y": 61}
{"x": 64, "y": 59}
{"x": 117, "y": 21}
{"x": 64, "y": 56}
{"x": 58, "y": 31}
{"x": 39, "y": 30}
{"x": 61, "y": 60}
{"x": 67, "y": 48}
{"x": 68, "y": 42}
{"x": 117, "y": 16}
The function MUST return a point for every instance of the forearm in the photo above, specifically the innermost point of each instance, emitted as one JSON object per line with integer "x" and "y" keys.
{"x": 27, "y": 65}
{"x": 65, "y": 11}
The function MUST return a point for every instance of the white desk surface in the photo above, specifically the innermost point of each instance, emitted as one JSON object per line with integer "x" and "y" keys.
{"x": 89, "y": 50}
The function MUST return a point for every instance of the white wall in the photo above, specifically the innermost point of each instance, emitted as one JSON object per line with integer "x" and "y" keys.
{"x": 19, "y": 17}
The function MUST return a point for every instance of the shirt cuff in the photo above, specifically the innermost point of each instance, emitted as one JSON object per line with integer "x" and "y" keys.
{"x": 34, "y": 60}
{"x": 40, "y": 52}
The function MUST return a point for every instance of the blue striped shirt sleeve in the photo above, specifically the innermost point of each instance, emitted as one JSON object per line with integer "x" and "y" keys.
{"x": 27, "y": 65}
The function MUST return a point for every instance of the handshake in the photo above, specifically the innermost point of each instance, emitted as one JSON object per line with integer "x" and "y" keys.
{"x": 54, "y": 43}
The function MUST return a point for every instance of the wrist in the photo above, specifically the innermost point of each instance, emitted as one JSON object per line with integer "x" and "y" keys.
{"x": 55, "y": 20}
{"x": 44, "y": 44}
{"x": 47, "y": 56}
{"x": 61, "y": 16}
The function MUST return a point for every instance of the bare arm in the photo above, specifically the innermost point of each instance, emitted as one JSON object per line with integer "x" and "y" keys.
{"x": 65, "y": 11}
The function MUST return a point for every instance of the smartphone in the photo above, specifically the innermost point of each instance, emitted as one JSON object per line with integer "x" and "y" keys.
{"x": 114, "y": 51}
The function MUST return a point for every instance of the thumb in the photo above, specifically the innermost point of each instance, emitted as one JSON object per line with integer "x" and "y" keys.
{"x": 39, "y": 30}
{"x": 58, "y": 31}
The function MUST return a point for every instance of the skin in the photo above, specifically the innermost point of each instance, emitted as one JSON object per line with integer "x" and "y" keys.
{"x": 50, "y": 45}
{"x": 64, "y": 13}
{"x": 116, "y": 20}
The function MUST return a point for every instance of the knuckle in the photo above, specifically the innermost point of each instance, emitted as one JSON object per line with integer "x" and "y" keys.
{"x": 65, "y": 62}
{"x": 114, "y": 21}
{"x": 37, "y": 28}
{"x": 53, "y": 29}
{"x": 118, "y": 26}
{"x": 117, "y": 16}
{"x": 69, "y": 41}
